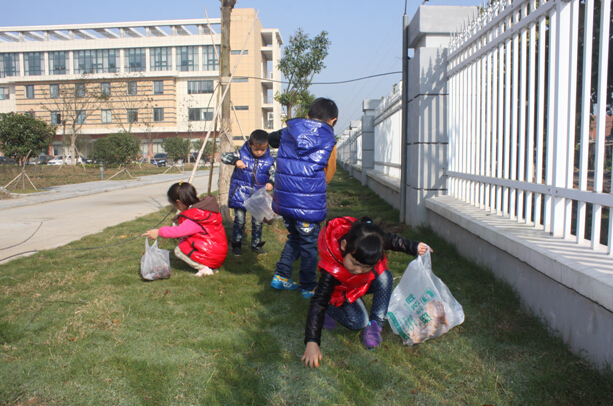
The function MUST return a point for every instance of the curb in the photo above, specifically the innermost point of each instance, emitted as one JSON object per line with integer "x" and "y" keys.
{"x": 90, "y": 188}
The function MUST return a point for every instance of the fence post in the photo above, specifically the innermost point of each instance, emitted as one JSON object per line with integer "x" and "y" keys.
{"x": 427, "y": 138}
{"x": 368, "y": 137}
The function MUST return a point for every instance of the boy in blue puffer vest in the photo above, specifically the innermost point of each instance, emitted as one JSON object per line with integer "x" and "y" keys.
{"x": 254, "y": 169}
{"x": 306, "y": 163}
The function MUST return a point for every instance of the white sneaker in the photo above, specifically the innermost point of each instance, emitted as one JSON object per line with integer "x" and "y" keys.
{"x": 206, "y": 271}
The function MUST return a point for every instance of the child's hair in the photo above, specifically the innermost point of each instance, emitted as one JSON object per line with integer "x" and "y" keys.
{"x": 323, "y": 109}
{"x": 259, "y": 137}
{"x": 184, "y": 192}
{"x": 365, "y": 242}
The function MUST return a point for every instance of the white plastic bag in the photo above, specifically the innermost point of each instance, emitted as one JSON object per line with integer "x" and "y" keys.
{"x": 421, "y": 306}
{"x": 259, "y": 204}
{"x": 155, "y": 263}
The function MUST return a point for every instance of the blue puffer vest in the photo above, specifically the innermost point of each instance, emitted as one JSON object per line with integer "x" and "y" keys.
{"x": 300, "y": 180}
{"x": 255, "y": 175}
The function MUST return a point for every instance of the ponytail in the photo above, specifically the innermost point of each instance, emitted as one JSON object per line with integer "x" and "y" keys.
{"x": 184, "y": 192}
{"x": 365, "y": 242}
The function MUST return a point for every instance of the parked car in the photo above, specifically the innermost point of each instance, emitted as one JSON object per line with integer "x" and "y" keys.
{"x": 58, "y": 160}
{"x": 159, "y": 159}
{"x": 203, "y": 159}
{"x": 7, "y": 161}
{"x": 40, "y": 160}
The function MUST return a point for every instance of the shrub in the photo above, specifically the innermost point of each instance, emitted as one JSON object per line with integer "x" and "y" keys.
{"x": 116, "y": 149}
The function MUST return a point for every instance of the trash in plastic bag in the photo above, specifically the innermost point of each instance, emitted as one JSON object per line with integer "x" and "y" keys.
{"x": 260, "y": 206}
{"x": 422, "y": 306}
{"x": 155, "y": 263}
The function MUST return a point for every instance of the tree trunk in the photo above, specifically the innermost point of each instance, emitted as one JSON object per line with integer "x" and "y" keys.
{"x": 225, "y": 143}
{"x": 71, "y": 151}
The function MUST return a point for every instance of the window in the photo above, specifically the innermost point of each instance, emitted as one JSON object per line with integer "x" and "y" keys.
{"x": 105, "y": 89}
{"x": 107, "y": 116}
{"x": 209, "y": 58}
{"x": 9, "y": 65}
{"x": 96, "y": 61}
{"x": 56, "y": 118}
{"x": 161, "y": 58}
{"x": 54, "y": 91}
{"x": 79, "y": 89}
{"x": 200, "y": 86}
{"x": 245, "y": 52}
{"x": 241, "y": 108}
{"x": 240, "y": 80}
{"x": 158, "y": 87}
{"x": 132, "y": 115}
{"x": 33, "y": 63}
{"x": 57, "y": 63}
{"x": 81, "y": 116}
{"x": 29, "y": 91}
{"x": 187, "y": 58}
{"x": 132, "y": 88}
{"x": 200, "y": 114}
{"x": 135, "y": 59}
{"x": 4, "y": 93}
{"x": 158, "y": 114}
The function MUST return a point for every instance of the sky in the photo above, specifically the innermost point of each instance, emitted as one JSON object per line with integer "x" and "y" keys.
{"x": 365, "y": 35}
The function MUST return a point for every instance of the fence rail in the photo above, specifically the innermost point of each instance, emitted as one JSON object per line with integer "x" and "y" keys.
{"x": 522, "y": 88}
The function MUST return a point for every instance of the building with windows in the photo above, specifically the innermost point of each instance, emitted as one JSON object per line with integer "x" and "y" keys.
{"x": 157, "y": 79}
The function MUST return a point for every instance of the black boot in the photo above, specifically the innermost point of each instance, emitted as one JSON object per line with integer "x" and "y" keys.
{"x": 258, "y": 248}
{"x": 236, "y": 249}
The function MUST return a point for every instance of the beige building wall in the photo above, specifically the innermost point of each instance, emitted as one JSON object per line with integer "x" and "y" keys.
{"x": 251, "y": 91}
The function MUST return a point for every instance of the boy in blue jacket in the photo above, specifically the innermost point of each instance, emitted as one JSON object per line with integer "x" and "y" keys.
{"x": 306, "y": 162}
{"x": 254, "y": 169}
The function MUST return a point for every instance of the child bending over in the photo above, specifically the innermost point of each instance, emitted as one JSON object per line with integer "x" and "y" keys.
{"x": 352, "y": 263}
{"x": 203, "y": 243}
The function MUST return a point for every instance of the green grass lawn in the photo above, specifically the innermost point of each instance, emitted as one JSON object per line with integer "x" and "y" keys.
{"x": 81, "y": 327}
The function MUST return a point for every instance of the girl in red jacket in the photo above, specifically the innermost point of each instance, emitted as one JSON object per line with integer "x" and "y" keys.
{"x": 352, "y": 263}
{"x": 203, "y": 243}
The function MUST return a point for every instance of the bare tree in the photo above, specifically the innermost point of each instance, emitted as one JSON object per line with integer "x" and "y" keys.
{"x": 131, "y": 105}
{"x": 225, "y": 142}
{"x": 70, "y": 105}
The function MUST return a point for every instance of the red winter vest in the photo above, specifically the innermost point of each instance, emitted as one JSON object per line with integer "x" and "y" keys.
{"x": 352, "y": 286}
{"x": 209, "y": 246}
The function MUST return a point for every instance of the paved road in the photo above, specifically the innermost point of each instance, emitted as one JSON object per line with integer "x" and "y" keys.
{"x": 70, "y": 212}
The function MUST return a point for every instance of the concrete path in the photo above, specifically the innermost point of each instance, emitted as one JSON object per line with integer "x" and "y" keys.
{"x": 68, "y": 213}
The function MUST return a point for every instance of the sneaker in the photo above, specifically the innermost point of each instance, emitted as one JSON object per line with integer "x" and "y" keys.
{"x": 283, "y": 283}
{"x": 329, "y": 322}
{"x": 236, "y": 249}
{"x": 258, "y": 250}
{"x": 206, "y": 271}
{"x": 372, "y": 335}
{"x": 307, "y": 294}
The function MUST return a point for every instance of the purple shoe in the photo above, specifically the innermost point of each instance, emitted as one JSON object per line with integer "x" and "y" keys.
{"x": 372, "y": 335}
{"x": 329, "y": 322}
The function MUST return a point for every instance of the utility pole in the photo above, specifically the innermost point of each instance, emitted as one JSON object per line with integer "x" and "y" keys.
{"x": 226, "y": 143}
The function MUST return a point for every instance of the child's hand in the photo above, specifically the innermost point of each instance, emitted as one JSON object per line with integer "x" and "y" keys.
{"x": 240, "y": 164}
{"x": 151, "y": 234}
{"x": 268, "y": 187}
{"x": 423, "y": 248}
{"x": 312, "y": 355}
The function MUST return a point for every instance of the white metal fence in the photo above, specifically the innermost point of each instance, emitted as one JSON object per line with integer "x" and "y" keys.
{"x": 527, "y": 79}
{"x": 388, "y": 137}
{"x": 388, "y": 134}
